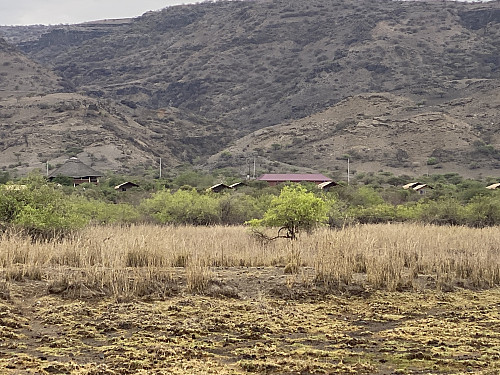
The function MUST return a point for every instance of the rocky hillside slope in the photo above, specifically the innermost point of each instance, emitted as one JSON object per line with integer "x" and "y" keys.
{"x": 259, "y": 63}
{"x": 20, "y": 76}
{"x": 270, "y": 65}
{"x": 40, "y": 122}
{"x": 376, "y": 132}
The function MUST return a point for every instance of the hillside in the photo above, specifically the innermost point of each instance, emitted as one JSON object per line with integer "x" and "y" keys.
{"x": 55, "y": 126}
{"x": 242, "y": 67}
{"x": 376, "y": 132}
{"x": 19, "y": 76}
{"x": 40, "y": 122}
{"x": 256, "y": 64}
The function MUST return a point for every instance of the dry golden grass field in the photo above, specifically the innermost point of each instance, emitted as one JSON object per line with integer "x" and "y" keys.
{"x": 375, "y": 299}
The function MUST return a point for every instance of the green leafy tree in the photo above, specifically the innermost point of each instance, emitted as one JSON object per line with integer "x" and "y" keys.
{"x": 294, "y": 210}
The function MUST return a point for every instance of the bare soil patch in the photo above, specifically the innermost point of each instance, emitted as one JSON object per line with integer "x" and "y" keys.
{"x": 249, "y": 324}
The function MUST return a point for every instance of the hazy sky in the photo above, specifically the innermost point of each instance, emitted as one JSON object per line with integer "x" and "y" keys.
{"x": 31, "y": 12}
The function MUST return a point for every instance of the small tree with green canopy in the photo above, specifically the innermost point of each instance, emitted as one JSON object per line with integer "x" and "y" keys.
{"x": 294, "y": 210}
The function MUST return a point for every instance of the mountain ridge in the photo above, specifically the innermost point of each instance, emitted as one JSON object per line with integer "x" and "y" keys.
{"x": 246, "y": 66}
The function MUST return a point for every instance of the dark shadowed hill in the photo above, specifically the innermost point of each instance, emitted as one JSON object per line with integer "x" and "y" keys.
{"x": 40, "y": 122}
{"x": 254, "y": 64}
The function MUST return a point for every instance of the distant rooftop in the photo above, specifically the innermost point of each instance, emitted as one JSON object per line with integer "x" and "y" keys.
{"x": 76, "y": 169}
{"x": 416, "y": 186}
{"x": 493, "y": 186}
{"x": 294, "y": 177}
{"x": 327, "y": 184}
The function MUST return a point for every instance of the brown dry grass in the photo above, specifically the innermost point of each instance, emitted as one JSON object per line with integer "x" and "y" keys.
{"x": 142, "y": 259}
{"x": 147, "y": 320}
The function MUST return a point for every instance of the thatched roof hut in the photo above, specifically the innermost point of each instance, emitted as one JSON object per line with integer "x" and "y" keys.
{"x": 78, "y": 171}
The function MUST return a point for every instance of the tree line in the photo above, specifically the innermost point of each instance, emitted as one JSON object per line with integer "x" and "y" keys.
{"x": 46, "y": 209}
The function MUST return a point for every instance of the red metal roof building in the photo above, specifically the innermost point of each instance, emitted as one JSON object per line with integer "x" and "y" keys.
{"x": 274, "y": 179}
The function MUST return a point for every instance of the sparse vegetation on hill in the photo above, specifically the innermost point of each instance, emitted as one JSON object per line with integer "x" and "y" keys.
{"x": 377, "y": 132}
{"x": 260, "y": 64}
{"x": 295, "y": 57}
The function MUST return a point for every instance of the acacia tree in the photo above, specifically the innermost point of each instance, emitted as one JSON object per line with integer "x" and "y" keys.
{"x": 294, "y": 210}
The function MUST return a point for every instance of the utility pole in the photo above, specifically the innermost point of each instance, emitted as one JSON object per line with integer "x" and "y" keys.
{"x": 348, "y": 172}
{"x": 160, "y": 167}
{"x": 47, "y": 164}
{"x": 254, "y": 167}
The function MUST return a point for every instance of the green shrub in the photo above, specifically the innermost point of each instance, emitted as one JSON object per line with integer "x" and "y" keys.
{"x": 443, "y": 211}
{"x": 4, "y": 177}
{"x": 379, "y": 213}
{"x": 38, "y": 208}
{"x": 63, "y": 180}
{"x": 100, "y": 212}
{"x": 366, "y": 196}
{"x": 194, "y": 179}
{"x": 238, "y": 208}
{"x": 183, "y": 207}
{"x": 483, "y": 211}
{"x": 432, "y": 161}
{"x": 294, "y": 210}
{"x": 411, "y": 211}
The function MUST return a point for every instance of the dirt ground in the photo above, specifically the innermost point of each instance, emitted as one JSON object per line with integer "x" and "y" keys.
{"x": 251, "y": 320}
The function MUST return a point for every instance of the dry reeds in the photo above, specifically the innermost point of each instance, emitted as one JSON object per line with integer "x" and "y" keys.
{"x": 142, "y": 259}
{"x": 402, "y": 255}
